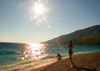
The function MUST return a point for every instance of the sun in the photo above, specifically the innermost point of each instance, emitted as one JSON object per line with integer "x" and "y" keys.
{"x": 39, "y": 8}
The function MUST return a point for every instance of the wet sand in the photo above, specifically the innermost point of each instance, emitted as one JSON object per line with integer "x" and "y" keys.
{"x": 82, "y": 62}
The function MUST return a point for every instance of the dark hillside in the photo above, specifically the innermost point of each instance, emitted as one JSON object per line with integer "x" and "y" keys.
{"x": 90, "y": 35}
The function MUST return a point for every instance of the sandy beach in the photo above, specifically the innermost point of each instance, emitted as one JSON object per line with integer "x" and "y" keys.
{"x": 82, "y": 62}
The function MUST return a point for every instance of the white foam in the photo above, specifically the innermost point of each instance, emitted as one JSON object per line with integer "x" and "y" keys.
{"x": 28, "y": 64}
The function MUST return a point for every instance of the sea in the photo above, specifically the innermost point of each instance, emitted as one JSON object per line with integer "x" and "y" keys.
{"x": 14, "y": 56}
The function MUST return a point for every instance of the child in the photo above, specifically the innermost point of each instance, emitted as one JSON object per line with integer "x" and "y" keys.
{"x": 59, "y": 57}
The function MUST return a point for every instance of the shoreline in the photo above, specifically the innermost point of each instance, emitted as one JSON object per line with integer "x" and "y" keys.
{"x": 82, "y": 62}
{"x": 42, "y": 65}
{"x": 78, "y": 59}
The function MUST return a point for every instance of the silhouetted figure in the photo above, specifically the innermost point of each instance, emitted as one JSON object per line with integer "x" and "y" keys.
{"x": 70, "y": 45}
{"x": 59, "y": 57}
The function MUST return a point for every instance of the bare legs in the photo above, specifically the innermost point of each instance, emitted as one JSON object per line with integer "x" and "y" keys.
{"x": 71, "y": 60}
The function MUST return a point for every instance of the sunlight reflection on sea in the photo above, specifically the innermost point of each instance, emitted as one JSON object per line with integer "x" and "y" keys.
{"x": 33, "y": 51}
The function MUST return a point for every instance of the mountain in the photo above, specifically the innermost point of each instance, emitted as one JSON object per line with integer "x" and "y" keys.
{"x": 87, "y": 36}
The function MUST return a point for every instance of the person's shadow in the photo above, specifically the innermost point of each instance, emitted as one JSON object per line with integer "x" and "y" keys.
{"x": 82, "y": 69}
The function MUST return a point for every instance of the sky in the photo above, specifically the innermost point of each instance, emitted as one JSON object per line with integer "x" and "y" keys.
{"x": 35, "y": 21}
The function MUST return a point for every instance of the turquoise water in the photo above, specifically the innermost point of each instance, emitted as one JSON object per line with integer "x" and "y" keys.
{"x": 14, "y": 53}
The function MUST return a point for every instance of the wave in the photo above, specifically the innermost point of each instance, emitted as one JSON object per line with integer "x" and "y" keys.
{"x": 31, "y": 63}
{"x": 54, "y": 56}
{"x": 8, "y": 52}
{"x": 20, "y": 65}
{"x": 76, "y": 53}
{"x": 27, "y": 63}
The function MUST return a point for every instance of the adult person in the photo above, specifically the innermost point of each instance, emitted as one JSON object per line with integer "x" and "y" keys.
{"x": 70, "y": 46}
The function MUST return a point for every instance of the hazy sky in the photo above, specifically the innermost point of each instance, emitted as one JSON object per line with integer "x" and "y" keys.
{"x": 19, "y": 22}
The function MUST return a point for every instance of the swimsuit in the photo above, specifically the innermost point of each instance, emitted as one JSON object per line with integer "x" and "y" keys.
{"x": 70, "y": 52}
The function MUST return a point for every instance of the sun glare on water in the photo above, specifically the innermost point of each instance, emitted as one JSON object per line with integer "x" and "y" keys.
{"x": 33, "y": 51}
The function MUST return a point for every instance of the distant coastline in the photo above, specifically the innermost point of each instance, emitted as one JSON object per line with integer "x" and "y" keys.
{"x": 87, "y": 36}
